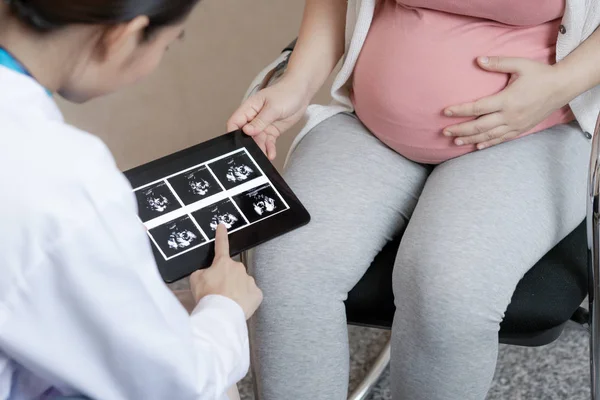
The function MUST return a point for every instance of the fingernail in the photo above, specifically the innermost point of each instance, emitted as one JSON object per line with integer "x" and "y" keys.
{"x": 448, "y": 113}
{"x": 481, "y": 146}
{"x": 484, "y": 60}
{"x": 447, "y": 133}
{"x": 459, "y": 142}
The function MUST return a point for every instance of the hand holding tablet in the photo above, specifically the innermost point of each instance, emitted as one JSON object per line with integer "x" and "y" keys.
{"x": 184, "y": 197}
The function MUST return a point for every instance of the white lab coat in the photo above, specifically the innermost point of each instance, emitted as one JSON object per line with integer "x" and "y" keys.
{"x": 82, "y": 307}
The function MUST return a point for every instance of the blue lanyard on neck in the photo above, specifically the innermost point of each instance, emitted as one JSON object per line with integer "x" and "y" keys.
{"x": 9, "y": 61}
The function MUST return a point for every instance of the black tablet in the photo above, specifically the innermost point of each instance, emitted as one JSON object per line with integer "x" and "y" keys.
{"x": 183, "y": 197}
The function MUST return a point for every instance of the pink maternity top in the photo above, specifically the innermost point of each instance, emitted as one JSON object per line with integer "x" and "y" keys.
{"x": 420, "y": 57}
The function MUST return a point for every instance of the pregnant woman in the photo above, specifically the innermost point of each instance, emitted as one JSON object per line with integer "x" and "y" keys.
{"x": 412, "y": 142}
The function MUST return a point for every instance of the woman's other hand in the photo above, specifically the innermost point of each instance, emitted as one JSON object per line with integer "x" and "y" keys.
{"x": 270, "y": 112}
{"x": 533, "y": 93}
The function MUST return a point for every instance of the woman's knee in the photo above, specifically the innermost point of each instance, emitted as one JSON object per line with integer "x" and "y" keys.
{"x": 445, "y": 291}
{"x": 283, "y": 266}
{"x": 328, "y": 256}
{"x": 299, "y": 265}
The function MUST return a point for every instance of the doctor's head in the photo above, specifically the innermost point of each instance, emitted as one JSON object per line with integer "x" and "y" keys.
{"x": 105, "y": 44}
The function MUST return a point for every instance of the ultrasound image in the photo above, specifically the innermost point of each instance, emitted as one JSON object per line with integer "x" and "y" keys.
{"x": 195, "y": 185}
{"x": 156, "y": 200}
{"x": 223, "y": 212}
{"x": 259, "y": 203}
{"x": 176, "y": 236}
{"x": 235, "y": 170}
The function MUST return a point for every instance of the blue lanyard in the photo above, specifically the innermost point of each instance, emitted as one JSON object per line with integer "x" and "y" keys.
{"x": 9, "y": 61}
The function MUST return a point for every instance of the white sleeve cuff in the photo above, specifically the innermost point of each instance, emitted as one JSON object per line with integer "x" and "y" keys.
{"x": 230, "y": 309}
{"x": 224, "y": 320}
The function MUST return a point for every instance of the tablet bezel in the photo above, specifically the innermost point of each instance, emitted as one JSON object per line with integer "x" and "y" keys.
{"x": 246, "y": 238}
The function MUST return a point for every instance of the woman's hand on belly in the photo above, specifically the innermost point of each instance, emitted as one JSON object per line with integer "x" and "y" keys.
{"x": 535, "y": 91}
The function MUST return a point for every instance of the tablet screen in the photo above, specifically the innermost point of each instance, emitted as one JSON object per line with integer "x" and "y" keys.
{"x": 183, "y": 197}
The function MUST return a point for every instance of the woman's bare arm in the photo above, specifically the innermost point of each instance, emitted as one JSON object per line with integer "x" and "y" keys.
{"x": 272, "y": 111}
{"x": 320, "y": 43}
{"x": 580, "y": 70}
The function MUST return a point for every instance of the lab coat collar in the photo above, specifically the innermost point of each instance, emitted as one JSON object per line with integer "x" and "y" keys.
{"x": 23, "y": 95}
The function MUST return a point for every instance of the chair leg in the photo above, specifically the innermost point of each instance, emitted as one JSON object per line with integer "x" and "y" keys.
{"x": 594, "y": 348}
{"x": 369, "y": 382}
{"x": 593, "y": 236}
{"x": 594, "y": 314}
{"x": 594, "y": 368}
{"x": 581, "y": 317}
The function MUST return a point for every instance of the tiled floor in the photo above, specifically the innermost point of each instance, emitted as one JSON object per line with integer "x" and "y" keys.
{"x": 554, "y": 372}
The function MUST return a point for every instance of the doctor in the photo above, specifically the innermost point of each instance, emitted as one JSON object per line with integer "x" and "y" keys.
{"x": 83, "y": 311}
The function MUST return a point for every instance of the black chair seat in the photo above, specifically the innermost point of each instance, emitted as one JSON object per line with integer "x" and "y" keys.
{"x": 545, "y": 299}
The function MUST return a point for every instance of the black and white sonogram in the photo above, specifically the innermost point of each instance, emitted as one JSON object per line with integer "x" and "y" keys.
{"x": 259, "y": 203}
{"x": 176, "y": 236}
{"x": 235, "y": 170}
{"x": 223, "y": 212}
{"x": 197, "y": 184}
{"x": 156, "y": 200}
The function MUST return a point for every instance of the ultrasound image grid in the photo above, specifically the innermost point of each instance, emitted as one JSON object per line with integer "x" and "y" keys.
{"x": 182, "y": 234}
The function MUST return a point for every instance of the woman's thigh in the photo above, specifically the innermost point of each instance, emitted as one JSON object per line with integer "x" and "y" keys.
{"x": 359, "y": 194}
{"x": 484, "y": 219}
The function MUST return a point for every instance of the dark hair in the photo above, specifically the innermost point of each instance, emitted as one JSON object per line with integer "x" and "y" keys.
{"x": 49, "y": 15}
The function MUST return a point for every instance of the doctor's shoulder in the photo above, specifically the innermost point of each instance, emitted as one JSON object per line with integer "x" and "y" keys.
{"x": 56, "y": 177}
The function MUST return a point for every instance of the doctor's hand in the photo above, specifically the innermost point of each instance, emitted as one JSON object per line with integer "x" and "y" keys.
{"x": 226, "y": 278}
{"x": 270, "y": 112}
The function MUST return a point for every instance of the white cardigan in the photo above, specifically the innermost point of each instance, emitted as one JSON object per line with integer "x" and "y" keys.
{"x": 581, "y": 19}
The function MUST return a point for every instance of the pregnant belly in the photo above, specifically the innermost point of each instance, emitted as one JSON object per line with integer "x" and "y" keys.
{"x": 417, "y": 62}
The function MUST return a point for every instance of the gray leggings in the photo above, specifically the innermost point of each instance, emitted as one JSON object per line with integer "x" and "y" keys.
{"x": 474, "y": 226}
